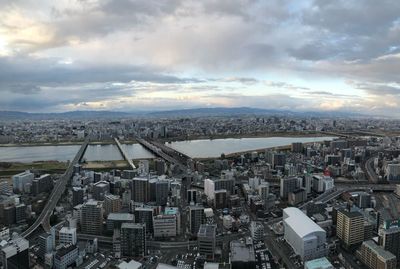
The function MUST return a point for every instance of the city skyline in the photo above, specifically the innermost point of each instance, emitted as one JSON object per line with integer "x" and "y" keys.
{"x": 152, "y": 55}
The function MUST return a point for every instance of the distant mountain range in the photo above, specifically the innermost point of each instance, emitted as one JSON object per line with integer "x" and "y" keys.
{"x": 195, "y": 112}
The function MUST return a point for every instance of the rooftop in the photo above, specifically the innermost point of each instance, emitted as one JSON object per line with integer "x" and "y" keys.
{"x": 321, "y": 263}
{"x": 379, "y": 250}
{"x": 299, "y": 222}
{"x": 121, "y": 216}
{"x": 207, "y": 230}
{"x": 240, "y": 252}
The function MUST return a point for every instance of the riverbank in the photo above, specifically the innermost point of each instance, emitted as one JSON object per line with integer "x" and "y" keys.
{"x": 12, "y": 168}
{"x": 241, "y": 136}
{"x": 66, "y": 143}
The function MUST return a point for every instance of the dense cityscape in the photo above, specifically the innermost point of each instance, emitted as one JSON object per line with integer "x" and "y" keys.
{"x": 212, "y": 134}
{"x": 330, "y": 203}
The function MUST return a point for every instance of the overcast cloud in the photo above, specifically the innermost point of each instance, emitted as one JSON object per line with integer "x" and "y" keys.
{"x": 127, "y": 55}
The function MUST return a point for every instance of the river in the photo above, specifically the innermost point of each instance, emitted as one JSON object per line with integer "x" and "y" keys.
{"x": 203, "y": 148}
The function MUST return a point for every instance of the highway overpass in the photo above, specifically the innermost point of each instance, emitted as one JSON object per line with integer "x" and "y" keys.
{"x": 55, "y": 195}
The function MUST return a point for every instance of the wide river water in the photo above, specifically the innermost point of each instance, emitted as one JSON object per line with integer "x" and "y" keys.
{"x": 193, "y": 148}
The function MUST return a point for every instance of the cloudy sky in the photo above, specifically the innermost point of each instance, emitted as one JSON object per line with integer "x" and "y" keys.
{"x": 127, "y": 55}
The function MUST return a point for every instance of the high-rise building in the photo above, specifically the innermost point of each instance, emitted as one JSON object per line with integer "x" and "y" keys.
{"x": 297, "y": 147}
{"x": 115, "y": 220}
{"x": 160, "y": 166}
{"x": 375, "y": 257}
{"x": 263, "y": 191}
{"x": 92, "y": 217}
{"x": 9, "y": 214}
{"x": 144, "y": 215}
{"x": 77, "y": 196}
{"x": 45, "y": 243}
{"x": 20, "y": 213}
{"x": 297, "y": 196}
{"x": 140, "y": 189}
{"x": 288, "y": 184}
{"x": 257, "y": 231}
{"x": 389, "y": 239}
{"x": 206, "y": 240}
{"x": 133, "y": 240}
{"x": 221, "y": 199}
{"x": 100, "y": 189}
{"x": 22, "y": 180}
{"x": 278, "y": 159}
{"x": 350, "y": 228}
{"x": 44, "y": 183}
{"x": 196, "y": 218}
{"x": 15, "y": 254}
{"x": 162, "y": 192}
{"x": 67, "y": 235}
{"x": 112, "y": 204}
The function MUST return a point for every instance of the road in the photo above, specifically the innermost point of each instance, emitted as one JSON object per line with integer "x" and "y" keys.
{"x": 55, "y": 195}
{"x": 369, "y": 168}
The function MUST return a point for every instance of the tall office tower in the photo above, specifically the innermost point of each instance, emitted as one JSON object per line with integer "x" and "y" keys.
{"x": 375, "y": 257}
{"x": 221, "y": 199}
{"x": 162, "y": 191}
{"x": 206, "y": 240}
{"x": 112, "y": 204}
{"x": 67, "y": 236}
{"x": 160, "y": 166}
{"x": 20, "y": 213}
{"x": 389, "y": 239}
{"x": 140, "y": 189}
{"x": 44, "y": 183}
{"x": 45, "y": 243}
{"x": 92, "y": 217}
{"x": 308, "y": 182}
{"x": 144, "y": 215}
{"x": 22, "y": 180}
{"x": 15, "y": 254}
{"x": 9, "y": 214}
{"x": 297, "y": 147}
{"x": 227, "y": 184}
{"x": 288, "y": 184}
{"x": 133, "y": 240}
{"x": 278, "y": 159}
{"x": 350, "y": 228}
{"x": 77, "y": 196}
{"x": 196, "y": 218}
{"x": 209, "y": 189}
{"x": 100, "y": 189}
{"x": 263, "y": 191}
{"x": 152, "y": 189}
